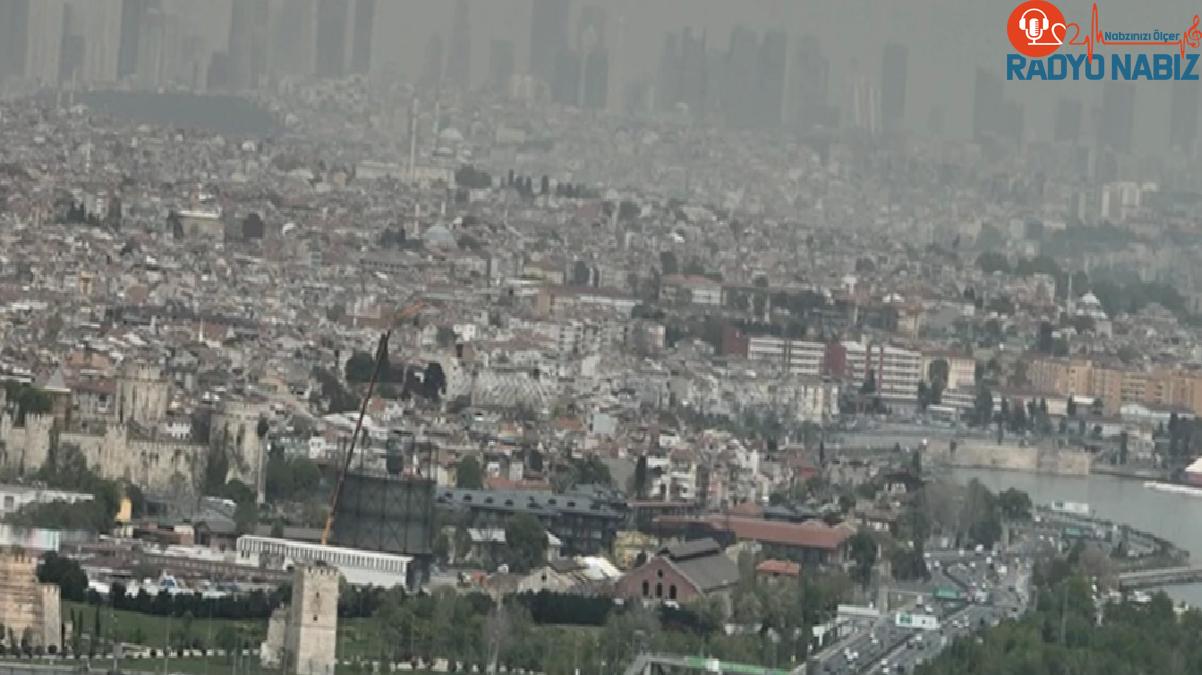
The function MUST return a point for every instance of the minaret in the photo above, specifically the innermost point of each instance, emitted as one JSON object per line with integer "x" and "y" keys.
{"x": 413, "y": 139}
{"x": 1070, "y": 300}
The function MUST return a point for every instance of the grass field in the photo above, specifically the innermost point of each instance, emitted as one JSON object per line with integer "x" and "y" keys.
{"x": 357, "y": 638}
{"x": 152, "y": 631}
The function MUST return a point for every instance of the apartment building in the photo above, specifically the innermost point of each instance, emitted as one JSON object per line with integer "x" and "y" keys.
{"x": 798, "y": 357}
{"x": 897, "y": 371}
{"x": 691, "y": 289}
{"x": 1116, "y": 386}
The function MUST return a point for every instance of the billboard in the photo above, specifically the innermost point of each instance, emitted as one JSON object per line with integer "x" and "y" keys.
{"x": 916, "y": 621}
{"x": 392, "y": 514}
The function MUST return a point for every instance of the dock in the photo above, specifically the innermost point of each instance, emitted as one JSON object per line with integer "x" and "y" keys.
{"x": 1167, "y": 576}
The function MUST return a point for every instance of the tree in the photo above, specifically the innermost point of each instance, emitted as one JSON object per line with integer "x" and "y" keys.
{"x": 862, "y": 549}
{"x": 468, "y": 473}
{"x": 434, "y": 384}
{"x": 640, "y": 477}
{"x": 992, "y": 261}
{"x": 980, "y": 519}
{"x": 1046, "y": 342}
{"x": 1018, "y": 418}
{"x": 29, "y": 400}
{"x": 868, "y": 387}
{"x": 227, "y": 640}
{"x": 66, "y": 573}
{"x": 590, "y": 471}
{"x": 444, "y": 336}
{"x": 291, "y": 478}
{"x": 923, "y": 395}
{"x": 525, "y": 543}
{"x": 982, "y": 411}
{"x": 470, "y": 177}
{"x": 580, "y": 273}
{"x": 360, "y": 367}
{"x": 668, "y": 263}
{"x": 1015, "y": 504}
{"x": 246, "y": 516}
{"x": 252, "y": 226}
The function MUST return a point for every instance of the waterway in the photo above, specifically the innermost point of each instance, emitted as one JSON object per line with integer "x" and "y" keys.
{"x": 1177, "y": 518}
{"x": 218, "y": 113}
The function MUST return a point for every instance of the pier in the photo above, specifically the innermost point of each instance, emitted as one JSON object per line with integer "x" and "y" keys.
{"x": 1167, "y": 576}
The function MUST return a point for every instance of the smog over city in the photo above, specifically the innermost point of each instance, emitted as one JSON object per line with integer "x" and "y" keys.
{"x": 600, "y": 337}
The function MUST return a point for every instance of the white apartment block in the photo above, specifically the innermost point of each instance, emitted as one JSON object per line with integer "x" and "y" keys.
{"x": 798, "y": 357}
{"x": 671, "y": 479}
{"x": 898, "y": 371}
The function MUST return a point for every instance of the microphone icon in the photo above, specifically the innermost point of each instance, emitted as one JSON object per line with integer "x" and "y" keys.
{"x": 1035, "y": 26}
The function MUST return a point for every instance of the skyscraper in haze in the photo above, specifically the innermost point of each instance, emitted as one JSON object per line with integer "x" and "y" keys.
{"x": 810, "y": 77}
{"x": 365, "y": 19}
{"x": 156, "y": 45}
{"x": 293, "y": 37}
{"x": 740, "y": 84}
{"x": 1066, "y": 125}
{"x": 500, "y": 64}
{"x": 667, "y": 87}
{"x": 1183, "y": 118}
{"x": 71, "y": 55}
{"x": 330, "y": 57}
{"x": 774, "y": 56}
{"x": 1013, "y": 122}
{"x": 14, "y": 35}
{"x": 894, "y": 59}
{"x": 594, "y": 58}
{"x": 565, "y": 83}
{"x": 548, "y": 36}
{"x": 1117, "y": 120}
{"x": 865, "y": 105}
{"x": 459, "y": 56}
{"x": 133, "y": 21}
{"x": 248, "y": 42}
{"x": 694, "y": 71}
{"x": 986, "y": 104}
{"x": 99, "y": 23}
{"x": 432, "y": 67}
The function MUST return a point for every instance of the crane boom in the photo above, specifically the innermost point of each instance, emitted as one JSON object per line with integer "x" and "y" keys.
{"x": 408, "y": 312}
{"x": 381, "y": 357}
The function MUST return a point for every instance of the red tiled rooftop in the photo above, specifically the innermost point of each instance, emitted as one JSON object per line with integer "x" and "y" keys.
{"x": 810, "y": 534}
{"x": 779, "y": 567}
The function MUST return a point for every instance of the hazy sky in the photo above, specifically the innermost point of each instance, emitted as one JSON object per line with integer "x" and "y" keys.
{"x": 947, "y": 40}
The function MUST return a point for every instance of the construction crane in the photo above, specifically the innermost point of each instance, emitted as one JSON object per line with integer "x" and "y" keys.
{"x": 403, "y": 315}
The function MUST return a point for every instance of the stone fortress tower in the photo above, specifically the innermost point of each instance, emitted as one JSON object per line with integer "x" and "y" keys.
{"x": 142, "y": 395}
{"x": 29, "y": 609}
{"x": 233, "y": 428}
{"x": 302, "y": 638}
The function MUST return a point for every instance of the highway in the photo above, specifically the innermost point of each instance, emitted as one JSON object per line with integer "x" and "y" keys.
{"x": 885, "y": 647}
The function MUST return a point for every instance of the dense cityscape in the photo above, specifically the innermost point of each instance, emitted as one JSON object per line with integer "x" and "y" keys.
{"x": 587, "y": 338}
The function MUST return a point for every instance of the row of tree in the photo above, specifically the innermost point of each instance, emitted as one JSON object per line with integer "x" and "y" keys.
{"x": 430, "y": 384}
{"x": 67, "y": 469}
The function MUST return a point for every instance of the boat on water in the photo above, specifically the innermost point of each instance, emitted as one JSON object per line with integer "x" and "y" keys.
{"x": 1174, "y": 488}
{"x": 1072, "y": 508}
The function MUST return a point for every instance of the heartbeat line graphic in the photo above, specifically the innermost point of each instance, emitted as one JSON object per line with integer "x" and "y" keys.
{"x": 1191, "y": 38}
